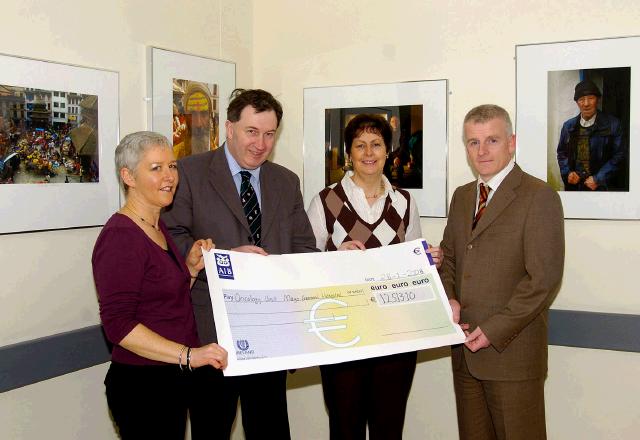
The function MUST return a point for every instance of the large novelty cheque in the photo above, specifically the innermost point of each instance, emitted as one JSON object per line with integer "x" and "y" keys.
{"x": 291, "y": 311}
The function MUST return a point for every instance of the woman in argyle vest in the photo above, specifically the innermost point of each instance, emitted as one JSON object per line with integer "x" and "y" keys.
{"x": 364, "y": 211}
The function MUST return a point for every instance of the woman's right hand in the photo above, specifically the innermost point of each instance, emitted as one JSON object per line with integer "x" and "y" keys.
{"x": 352, "y": 246}
{"x": 210, "y": 354}
{"x": 195, "y": 259}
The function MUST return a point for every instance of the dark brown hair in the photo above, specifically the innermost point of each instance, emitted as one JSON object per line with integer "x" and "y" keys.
{"x": 260, "y": 100}
{"x": 371, "y": 123}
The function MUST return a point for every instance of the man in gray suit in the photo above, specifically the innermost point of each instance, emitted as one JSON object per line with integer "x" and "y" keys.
{"x": 503, "y": 252}
{"x": 236, "y": 197}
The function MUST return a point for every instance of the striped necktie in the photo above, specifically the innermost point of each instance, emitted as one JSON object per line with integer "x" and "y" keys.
{"x": 482, "y": 203}
{"x": 251, "y": 207}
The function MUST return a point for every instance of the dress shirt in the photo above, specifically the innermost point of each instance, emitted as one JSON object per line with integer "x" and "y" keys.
{"x": 493, "y": 183}
{"x": 237, "y": 177}
{"x": 369, "y": 214}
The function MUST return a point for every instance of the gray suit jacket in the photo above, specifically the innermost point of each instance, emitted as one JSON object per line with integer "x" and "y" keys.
{"x": 207, "y": 205}
{"x": 505, "y": 274}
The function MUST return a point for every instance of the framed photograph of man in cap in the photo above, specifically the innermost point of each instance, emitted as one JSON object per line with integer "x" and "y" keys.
{"x": 588, "y": 129}
{"x": 576, "y": 99}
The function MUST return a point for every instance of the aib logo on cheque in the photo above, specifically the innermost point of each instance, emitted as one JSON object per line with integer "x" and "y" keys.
{"x": 223, "y": 263}
{"x": 319, "y": 330}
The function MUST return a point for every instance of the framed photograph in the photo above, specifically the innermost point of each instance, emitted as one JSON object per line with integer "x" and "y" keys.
{"x": 58, "y": 133}
{"x": 577, "y": 123}
{"x": 417, "y": 113}
{"x": 190, "y": 96}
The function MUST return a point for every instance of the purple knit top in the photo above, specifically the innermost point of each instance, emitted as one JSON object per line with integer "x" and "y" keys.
{"x": 138, "y": 282}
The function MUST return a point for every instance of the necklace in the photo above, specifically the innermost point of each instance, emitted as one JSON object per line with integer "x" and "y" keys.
{"x": 376, "y": 195}
{"x": 157, "y": 228}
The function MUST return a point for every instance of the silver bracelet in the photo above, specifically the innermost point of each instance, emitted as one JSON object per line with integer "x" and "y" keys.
{"x": 189, "y": 359}
{"x": 184, "y": 347}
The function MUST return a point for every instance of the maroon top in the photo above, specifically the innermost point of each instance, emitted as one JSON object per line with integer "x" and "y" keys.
{"x": 138, "y": 282}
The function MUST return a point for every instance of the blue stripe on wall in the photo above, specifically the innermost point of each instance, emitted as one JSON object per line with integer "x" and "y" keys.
{"x": 45, "y": 358}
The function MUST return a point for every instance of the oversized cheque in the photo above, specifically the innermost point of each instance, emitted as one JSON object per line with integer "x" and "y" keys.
{"x": 292, "y": 311}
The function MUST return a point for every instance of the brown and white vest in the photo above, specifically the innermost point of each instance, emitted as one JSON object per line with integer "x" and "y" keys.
{"x": 339, "y": 213}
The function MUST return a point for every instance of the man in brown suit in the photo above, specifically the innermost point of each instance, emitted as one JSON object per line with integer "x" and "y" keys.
{"x": 236, "y": 197}
{"x": 503, "y": 259}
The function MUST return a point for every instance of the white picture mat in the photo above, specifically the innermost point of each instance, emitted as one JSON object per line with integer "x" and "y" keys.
{"x": 532, "y": 67}
{"x": 166, "y": 65}
{"x": 432, "y": 95}
{"x": 29, "y": 207}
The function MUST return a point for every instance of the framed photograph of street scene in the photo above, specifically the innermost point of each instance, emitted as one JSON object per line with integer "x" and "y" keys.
{"x": 58, "y": 133}
{"x": 577, "y": 124}
{"x": 189, "y": 99}
{"x": 417, "y": 114}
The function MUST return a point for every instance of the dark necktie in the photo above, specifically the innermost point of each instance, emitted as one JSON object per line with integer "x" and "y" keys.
{"x": 251, "y": 207}
{"x": 482, "y": 203}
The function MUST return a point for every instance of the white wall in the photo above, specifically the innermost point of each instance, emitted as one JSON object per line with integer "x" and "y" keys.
{"x": 307, "y": 43}
{"x": 284, "y": 46}
{"x": 47, "y": 284}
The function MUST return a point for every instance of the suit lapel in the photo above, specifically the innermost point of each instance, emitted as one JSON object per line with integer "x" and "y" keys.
{"x": 174, "y": 250}
{"x": 222, "y": 182}
{"x": 270, "y": 198}
{"x": 501, "y": 199}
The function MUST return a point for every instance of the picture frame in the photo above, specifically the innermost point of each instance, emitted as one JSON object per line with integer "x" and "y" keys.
{"x": 189, "y": 99}
{"x": 546, "y": 112}
{"x": 77, "y": 188}
{"x": 420, "y": 164}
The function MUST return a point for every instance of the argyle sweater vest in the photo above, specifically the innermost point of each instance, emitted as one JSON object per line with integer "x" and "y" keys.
{"x": 341, "y": 218}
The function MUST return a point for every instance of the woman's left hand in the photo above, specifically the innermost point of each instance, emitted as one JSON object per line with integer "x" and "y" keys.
{"x": 352, "y": 246}
{"x": 436, "y": 254}
{"x": 194, "y": 260}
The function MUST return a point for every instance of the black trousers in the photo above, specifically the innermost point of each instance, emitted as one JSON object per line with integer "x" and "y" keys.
{"x": 151, "y": 401}
{"x": 263, "y": 400}
{"x": 370, "y": 391}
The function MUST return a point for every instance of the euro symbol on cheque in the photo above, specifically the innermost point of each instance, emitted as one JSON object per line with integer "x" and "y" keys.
{"x": 318, "y": 330}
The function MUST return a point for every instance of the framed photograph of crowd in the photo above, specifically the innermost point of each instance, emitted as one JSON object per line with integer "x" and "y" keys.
{"x": 58, "y": 133}
{"x": 577, "y": 123}
{"x": 190, "y": 95}
{"x": 417, "y": 156}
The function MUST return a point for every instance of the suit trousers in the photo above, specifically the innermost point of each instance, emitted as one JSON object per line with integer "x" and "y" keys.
{"x": 263, "y": 400}
{"x": 498, "y": 410}
{"x": 370, "y": 391}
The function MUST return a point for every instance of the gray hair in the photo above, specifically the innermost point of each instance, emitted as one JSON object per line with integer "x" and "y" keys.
{"x": 485, "y": 113}
{"x": 132, "y": 147}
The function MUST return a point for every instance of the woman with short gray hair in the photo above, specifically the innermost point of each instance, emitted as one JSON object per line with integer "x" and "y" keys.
{"x": 143, "y": 286}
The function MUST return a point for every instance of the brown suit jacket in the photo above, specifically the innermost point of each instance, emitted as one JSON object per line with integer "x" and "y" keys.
{"x": 505, "y": 274}
{"x": 207, "y": 205}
